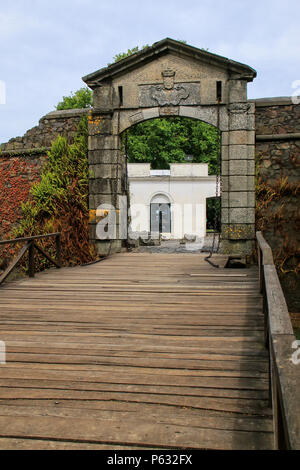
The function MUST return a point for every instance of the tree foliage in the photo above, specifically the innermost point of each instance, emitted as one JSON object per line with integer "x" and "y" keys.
{"x": 59, "y": 201}
{"x": 82, "y": 98}
{"x": 129, "y": 52}
{"x": 169, "y": 140}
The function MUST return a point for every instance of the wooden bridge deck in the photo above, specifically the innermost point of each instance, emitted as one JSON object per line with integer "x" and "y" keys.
{"x": 141, "y": 350}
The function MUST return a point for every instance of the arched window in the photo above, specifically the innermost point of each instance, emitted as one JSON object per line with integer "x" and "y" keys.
{"x": 160, "y": 214}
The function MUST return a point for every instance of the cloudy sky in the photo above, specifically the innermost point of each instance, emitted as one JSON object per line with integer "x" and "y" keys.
{"x": 47, "y": 46}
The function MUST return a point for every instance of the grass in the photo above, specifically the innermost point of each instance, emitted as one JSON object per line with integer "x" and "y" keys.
{"x": 297, "y": 333}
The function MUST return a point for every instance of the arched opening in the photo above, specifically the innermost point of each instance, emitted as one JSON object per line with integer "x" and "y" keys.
{"x": 173, "y": 165}
{"x": 174, "y": 139}
{"x": 160, "y": 215}
{"x": 170, "y": 79}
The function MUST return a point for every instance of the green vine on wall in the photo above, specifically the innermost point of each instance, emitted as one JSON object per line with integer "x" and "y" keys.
{"x": 278, "y": 213}
{"x": 59, "y": 201}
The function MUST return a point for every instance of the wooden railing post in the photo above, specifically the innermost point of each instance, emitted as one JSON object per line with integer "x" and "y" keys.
{"x": 31, "y": 247}
{"x": 31, "y": 259}
{"x": 284, "y": 370}
{"x": 58, "y": 248}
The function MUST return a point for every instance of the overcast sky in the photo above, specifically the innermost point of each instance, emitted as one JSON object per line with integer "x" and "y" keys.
{"x": 46, "y": 46}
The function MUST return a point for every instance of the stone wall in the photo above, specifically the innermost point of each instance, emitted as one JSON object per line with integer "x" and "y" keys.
{"x": 278, "y": 199}
{"x": 50, "y": 126}
{"x": 17, "y": 175}
{"x": 21, "y": 161}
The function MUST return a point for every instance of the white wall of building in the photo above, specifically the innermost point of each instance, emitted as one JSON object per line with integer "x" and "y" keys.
{"x": 185, "y": 186}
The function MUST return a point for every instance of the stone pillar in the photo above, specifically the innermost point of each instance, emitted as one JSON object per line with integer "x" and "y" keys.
{"x": 106, "y": 173}
{"x": 238, "y": 173}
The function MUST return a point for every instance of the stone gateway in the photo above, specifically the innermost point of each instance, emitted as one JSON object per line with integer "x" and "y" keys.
{"x": 173, "y": 79}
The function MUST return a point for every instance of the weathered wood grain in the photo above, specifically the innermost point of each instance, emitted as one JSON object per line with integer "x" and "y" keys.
{"x": 139, "y": 351}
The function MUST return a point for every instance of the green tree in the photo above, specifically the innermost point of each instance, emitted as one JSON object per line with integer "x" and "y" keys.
{"x": 123, "y": 55}
{"x": 82, "y": 98}
{"x": 168, "y": 140}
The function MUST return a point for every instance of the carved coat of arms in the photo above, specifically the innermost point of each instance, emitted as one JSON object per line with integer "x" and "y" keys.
{"x": 168, "y": 94}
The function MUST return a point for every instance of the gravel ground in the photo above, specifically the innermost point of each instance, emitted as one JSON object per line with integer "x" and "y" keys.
{"x": 174, "y": 246}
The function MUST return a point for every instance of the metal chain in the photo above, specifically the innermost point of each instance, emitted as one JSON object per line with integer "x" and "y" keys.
{"x": 218, "y": 192}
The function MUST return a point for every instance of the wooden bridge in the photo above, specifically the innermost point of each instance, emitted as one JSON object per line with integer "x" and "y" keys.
{"x": 139, "y": 351}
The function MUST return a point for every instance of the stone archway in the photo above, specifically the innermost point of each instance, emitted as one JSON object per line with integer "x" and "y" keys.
{"x": 173, "y": 79}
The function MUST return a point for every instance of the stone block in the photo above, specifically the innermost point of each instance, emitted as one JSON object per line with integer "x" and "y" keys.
{"x": 225, "y": 167}
{"x": 100, "y": 125}
{"x": 238, "y": 199}
{"x": 104, "y": 97}
{"x": 240, "y": 215}
{"x": 108, "y": 247}
{"x": 225, "y": 138}
{"x": 251, "y": 152}
{"x": 238, "y": 183}
{"x": 241, "y": 167}
{"x": 238, "y": 152}
{"x": 251, "y": 122}
{"x": 105, "y": 200}
{"x": 105, "y": 186}
{"x": 251, "y": 109}
{"x": 237, "y": 247}
{"x": 105, "y": 171}
{"x": 110, "y": 142}
{"x": 238, "y": 137}
{"x": 238, "y": 121}
{"x": 238, "y": 231}
{"x": 237, "y": 91}
{"x": 225, "y": 152}
{"x": 104, "y": 156}
{"x": 207, "y": 114}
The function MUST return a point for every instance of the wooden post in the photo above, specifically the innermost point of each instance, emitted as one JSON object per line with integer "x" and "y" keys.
{"x": 260, "y": 268}
{"x": 58, "y": 248}
{"x": 31, "y": 259}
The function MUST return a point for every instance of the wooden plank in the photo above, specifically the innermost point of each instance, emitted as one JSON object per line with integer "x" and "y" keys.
{"x": 36, "y": 444}
{"x": 94, "y": 374}
{"x": 265, "y": 248}
{"x": 138, "y": 431}
{"x": 138, "y": 336}
{"x": 287, "y": 378}
{"x": 164, "y": 414}
{"x": 279, "y": 318}
{"x": 110, "y": 386}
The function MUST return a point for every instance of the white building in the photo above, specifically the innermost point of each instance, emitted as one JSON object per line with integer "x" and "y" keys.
{"x": 171, "y": 202}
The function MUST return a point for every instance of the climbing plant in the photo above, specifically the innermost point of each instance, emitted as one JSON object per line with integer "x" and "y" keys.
{"x": 59, "y": 201}
{"x": 277, "y": 210}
